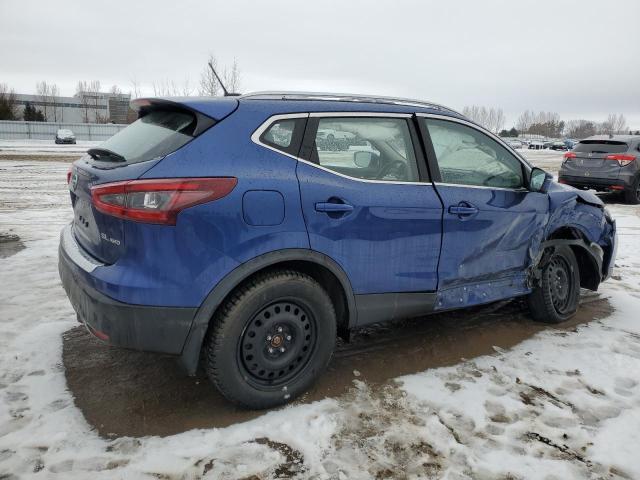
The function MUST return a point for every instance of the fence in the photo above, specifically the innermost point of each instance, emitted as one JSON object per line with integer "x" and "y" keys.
{"x": 13, "y": 130}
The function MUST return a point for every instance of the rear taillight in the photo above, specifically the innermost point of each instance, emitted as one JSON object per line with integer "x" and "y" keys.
{"x": 569, "y": 155}
{"x": 69, "y": 174}
{"x": 622, "y": 159}
{"x": 158, "y": 200}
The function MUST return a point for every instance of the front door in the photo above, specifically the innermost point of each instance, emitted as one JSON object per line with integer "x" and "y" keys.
{"x": 491, "y": 222}
{"x": 368, "y": 203}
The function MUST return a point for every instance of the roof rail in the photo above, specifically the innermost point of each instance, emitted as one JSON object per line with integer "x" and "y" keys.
{"x": 345, "y": 97}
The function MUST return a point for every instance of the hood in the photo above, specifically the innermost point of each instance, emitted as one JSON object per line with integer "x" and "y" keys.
{"x": 560, "y": 193}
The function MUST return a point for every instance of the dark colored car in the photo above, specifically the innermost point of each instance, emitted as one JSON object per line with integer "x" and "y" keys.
{"x": 561, "y": 146}
{"x": 65, "y": 136}
{"x": 217, "y": 229}
{"x": 605, "y": 163}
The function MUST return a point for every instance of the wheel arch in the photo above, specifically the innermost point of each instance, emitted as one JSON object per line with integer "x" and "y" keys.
{"x": 320, "y": 267}
{"x": 589, "y": 255}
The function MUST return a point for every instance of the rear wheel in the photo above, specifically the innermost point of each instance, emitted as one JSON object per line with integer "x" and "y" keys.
{"x": 632, "y": 195}
{"x": 557, "y": 296}
{"x": 271, "y": 339}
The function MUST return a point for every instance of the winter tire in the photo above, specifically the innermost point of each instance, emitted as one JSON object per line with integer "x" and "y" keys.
{"x": 557, "y": 296}
{"x": 271, "y": 339}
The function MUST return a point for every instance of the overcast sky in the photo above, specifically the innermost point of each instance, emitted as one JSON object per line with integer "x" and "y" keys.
{"x": 578, "y": 58}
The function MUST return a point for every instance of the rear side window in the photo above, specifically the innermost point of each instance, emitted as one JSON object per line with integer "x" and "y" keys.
{"x": 158, "y": 133}
{"x": 601, "y": 146}
{"x": 285, "y": 135}
{"x": 366, "y": 148}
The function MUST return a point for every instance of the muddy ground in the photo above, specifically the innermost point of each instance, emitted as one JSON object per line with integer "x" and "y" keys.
{"x": 128, "y": 393}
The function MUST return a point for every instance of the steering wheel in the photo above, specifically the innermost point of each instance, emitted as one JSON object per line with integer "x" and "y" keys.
{"x": 398, "y": 166}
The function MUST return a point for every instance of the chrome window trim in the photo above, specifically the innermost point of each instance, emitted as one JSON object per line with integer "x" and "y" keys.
{"x": 517, "y": 156}
{"x": 360, "y": 114}
{"x": 484, "y": 187}
{"x": 255, "y": 138}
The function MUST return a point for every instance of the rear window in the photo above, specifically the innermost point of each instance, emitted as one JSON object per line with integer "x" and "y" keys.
{"x": 601, "y": 146}
{"x": 157, "y": 134}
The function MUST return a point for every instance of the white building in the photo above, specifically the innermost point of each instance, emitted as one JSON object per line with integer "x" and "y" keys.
{"x": 81, "y": 108}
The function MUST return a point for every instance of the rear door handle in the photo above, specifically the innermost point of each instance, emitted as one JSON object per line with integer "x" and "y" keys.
{"x": 329, "y": 207}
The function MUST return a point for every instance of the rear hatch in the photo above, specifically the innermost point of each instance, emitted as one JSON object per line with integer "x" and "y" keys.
{"x": 162, "y": 128}
{"x": 591, "y": 155}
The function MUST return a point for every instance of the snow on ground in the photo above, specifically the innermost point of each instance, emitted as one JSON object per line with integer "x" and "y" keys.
{"x": 15, "y": 148}
{"x": 563, "y": 404}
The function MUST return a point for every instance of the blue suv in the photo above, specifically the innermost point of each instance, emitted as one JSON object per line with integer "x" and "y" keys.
{"x": 243, "y": 234}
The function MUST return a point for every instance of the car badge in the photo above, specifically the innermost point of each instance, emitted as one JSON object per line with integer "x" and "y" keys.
{"x": 74, "y": 180}
{"x": 590, "y": 154}
{"x": 586, "y": 174}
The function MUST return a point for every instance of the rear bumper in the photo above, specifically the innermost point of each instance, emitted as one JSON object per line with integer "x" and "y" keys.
{"x": 140, "y": 327}
{"x": 599, "y": 184}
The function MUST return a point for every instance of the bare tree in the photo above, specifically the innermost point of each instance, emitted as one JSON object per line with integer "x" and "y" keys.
{"x": 615, "y": 123}
{"x": 490, "y": 118}
{"x": 42, "y": 90}
{"x": 81, "y": 92}
{"x": 136, "y": 91}
{"x": 57, "y": 111}
{"x": 525, "y": 120}
{"x": 8, "y": 106}
{"x": 232, "y": 77}
{"x": 209, "y": 85}
{"x": 580, "y": 128}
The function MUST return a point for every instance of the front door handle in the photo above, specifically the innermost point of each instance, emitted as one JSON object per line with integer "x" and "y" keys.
{"x": 329, "y": 207}
{"x": 463, "y": 210}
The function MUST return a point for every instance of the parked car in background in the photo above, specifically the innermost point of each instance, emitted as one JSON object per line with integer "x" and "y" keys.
{"x": 559, "y": 146}
{"x": 197, "y": 232}
{"x": 604, "y": 163}
{"x": 515, "y": 143}
{"x": 547, "y": 144}
{"x": 64, "y": 135}
{"x": 536, "y": 145}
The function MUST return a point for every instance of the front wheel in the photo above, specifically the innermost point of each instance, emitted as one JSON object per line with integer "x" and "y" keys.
{"x": 271, "y": 339}
{"x": 557, "y": 296}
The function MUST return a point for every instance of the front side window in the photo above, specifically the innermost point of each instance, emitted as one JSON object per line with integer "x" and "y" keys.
{"x": 366, "y": 148}
{"x": 467, "y": 156}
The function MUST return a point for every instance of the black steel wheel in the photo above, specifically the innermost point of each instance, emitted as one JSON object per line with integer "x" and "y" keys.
{"x": 277, "y": 343}
{"x": 271, "y": 339}
{"x": 557, "y": 296}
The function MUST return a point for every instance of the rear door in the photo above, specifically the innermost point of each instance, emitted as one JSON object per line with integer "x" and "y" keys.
{"x": 368, "y": 202}
{"x": 490, "y": 220}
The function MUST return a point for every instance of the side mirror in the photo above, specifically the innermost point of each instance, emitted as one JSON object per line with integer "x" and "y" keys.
{"x": 362, "y": 159}
{"x": 539, "y": 180}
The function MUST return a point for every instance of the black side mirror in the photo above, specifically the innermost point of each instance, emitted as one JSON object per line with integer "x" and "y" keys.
{"x": 539, "y": 180}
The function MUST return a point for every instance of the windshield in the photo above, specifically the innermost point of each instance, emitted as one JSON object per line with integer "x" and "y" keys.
{"x": 157, "y": 134}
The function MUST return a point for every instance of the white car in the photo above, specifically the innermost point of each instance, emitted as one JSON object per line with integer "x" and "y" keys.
{"x": 515, "y": 143}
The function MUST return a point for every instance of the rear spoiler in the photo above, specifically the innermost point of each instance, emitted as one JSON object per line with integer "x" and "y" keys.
{"x": 216, "y": 108}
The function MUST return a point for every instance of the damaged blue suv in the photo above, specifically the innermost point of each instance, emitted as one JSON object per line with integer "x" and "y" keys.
{"x": 243, "y": 234}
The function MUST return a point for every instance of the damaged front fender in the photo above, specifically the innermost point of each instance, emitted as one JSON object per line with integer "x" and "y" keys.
{"x": 578, "y": 219}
